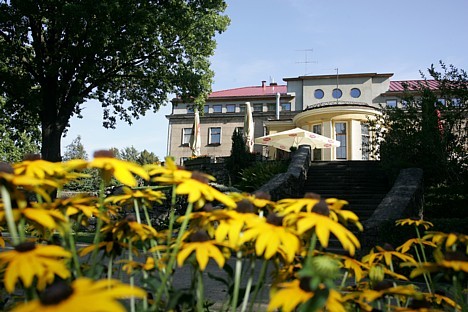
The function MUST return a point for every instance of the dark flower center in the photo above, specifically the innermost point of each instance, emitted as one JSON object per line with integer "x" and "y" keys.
{"x": 25, "y": 247}
{"x": 304, "y": 283}
{"x": 32, "y": 157}
{"x": 245, "y": 206}
{"x": 385, "y": 284}
{"x": 196, "y": 175}
{"x": 56, "y": 293}
{"x": 6, "y": 167}
{"x": 455, "y": 256}
{"x": 199, "y": 236}
{"x": 321, "y": 208}
{"x": 312, "y": 195}
{"x": 103, "y": 153}
{"x": 388, "y": 247}
{"x": 262, "y": 195}
{"x": 130, "y": 218}
{"x": 274, "y": 219}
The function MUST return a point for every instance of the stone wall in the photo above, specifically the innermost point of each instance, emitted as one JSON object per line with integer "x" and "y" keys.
{"x": 291, "y": 183}
{"x": 405, "y": 200}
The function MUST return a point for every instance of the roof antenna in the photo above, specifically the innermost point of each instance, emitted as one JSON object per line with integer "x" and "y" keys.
{"x": 337, "y": 83}
{"x": 306, "y": 60}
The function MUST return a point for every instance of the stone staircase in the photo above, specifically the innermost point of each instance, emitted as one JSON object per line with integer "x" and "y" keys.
{"x": 362, "y": 183}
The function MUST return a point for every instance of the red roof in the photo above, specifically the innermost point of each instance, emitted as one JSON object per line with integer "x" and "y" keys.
{"x": 399, "y": 86}
{"x": 267, "y": 90}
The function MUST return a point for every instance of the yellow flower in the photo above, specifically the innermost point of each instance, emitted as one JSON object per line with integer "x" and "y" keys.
{"x": 271, "y": 237}
{"x": 199, "y": 192}
{"x": 50, "y": 219}
{"x": 130, "y": 229}
{"x": 453, "y": 261}
{"x": 288, "y": 297}
{"x": 28, "y": 260}
{"x": 290, "y": 205}
{"x": 387, "y": 255}
{"x": 122, "y": 170}
{"x": 323, "y": 226}
{"x": 232, "y": 226}
{"x": 413, "y": 241}
{"x": 84, "y": 295}
{"x": 129, "y": 195}
{"x": 204, "y": 248}
{"x": 130, "y": 266}
{"x": 38, "y": 168}
{"x": 170, "y": 173}
{"x": 415, "y": 222}
{"x": 78, "y": 205}
{"x": 357, "y": 268}
{"x": 258, "y": 199}
{"x": 449, "y": 239}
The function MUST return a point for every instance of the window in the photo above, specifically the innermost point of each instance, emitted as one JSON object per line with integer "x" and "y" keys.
{"x": 190, "y": 110}
{"x": 206, "y": 109}
{"x": 318, "y": 94}
{"x": 391, "y": 103}
{"x": 340, "y": 133}
{"x": 355, "y": 93}
{"x": 286, "y": 107}
{"x": 317, "y": 152}
{"x": 217, "y": 108}
{"x": 215, "y": 135}
{"x": 271, "y": 107}
{"x": 317, "y": 129}
{"x": 337, "y": 93}
{"x": 240, "y": 129}
{"x": 456, "y": 102}
{"x": 183, "y": 160}
{"x": 258, "y": 108}
{"x": 230, "y": 108}
{"x": 441, "y": 101}
{"x": 242, "y": 108}
{"x": 186, "y": 134}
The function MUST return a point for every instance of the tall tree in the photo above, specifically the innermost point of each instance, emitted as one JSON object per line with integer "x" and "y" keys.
{"x": 57, "y": 54}
{"x": 429, "y": 130}
{"x": 75, "y": 150}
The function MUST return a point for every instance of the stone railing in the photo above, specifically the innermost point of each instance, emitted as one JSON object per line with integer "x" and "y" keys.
{"x": 290, "y": 184}
{"x": 404, "y": 200}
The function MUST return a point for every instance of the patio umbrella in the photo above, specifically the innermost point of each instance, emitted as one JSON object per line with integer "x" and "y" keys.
{"x": 195, "y": 137}
{"x": 248, "y": 128}
{"x": 284, "y": 140}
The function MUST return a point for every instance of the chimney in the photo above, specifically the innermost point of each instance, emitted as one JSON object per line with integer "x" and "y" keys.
{"x": 263, "y": 84}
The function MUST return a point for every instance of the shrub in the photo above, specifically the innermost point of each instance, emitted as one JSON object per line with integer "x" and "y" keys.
{"x": 252, "y": 178}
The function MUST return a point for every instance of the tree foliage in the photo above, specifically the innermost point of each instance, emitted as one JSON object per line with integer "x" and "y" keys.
{"x": 56, "y": 55}
{"x": 429, "y": 129}
{"x": 240, "y": 158}
{"x": 75, "y": 150}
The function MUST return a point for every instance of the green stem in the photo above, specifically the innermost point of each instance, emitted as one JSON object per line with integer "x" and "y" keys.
{"x": 425, "y": 273}
{"x": 237, "y": 278}
{"x": 313, "y": 244}
{"x": 137, "y": 210}
{"x": 76, "y": 261}
{"x": 97, "y": 234}
{"x": 9, "y": 215}
{"x": 200, "y": 291}
{"x": 249, "y": 285}
{"x": 172, "y": 259}
{"x": 110, "y": 267}
{"x": 345, "y": 277}
{"x": 132, "y": 278}
{"x": 421, "y": 246}
{"x": 259, "y": 284}
{"x": 171, "y": 215}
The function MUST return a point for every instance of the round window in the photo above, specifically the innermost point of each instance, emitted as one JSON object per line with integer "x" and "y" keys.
{"x": 355, "y": 93}
{"x": 319, "y": 94}
{"x": 337, "y": 93}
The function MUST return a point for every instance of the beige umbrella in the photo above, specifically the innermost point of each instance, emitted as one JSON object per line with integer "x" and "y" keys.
{"x": 195, "y": 137}
{"x": 248, "y": 128}
{"x": 284, "y": 140}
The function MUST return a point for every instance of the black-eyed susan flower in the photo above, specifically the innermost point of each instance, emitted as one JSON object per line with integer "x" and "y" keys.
{"x": 204, "y": 248}
{"x": 199, "y": 192}
{"x": 415, "y": 222}
{"x": 80, "y": 206}
{"x": 147, "y": 195}
{"x": 271, "y": 237}
{"x": 322, "y": 225}
{"x": 259, "y": 200}
{"x": 412, "y": 242}
{"x": 450, "y": 261}
{"x": 129, "y": 229}
{"x": 120, "y": 169}
{"x": 355, "y": 267}
{"x": 35, "y": 167}
{"x": 386, "y": 255}
{"x": 28, "y": 260}
{"x": 170, "y": 173}
{"x": 449, "y": 240}
{"x": 84, "y": 295}
{"x": 287, "y": 296}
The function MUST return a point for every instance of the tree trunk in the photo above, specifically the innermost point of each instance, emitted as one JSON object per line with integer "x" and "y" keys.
{"x": 51, "y": 142}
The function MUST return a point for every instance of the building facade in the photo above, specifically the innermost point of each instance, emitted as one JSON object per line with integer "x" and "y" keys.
{"x": 336, "y": 106}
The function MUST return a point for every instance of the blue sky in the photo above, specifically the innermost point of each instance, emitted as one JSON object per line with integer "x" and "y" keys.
{"x": 267, "y": 38}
